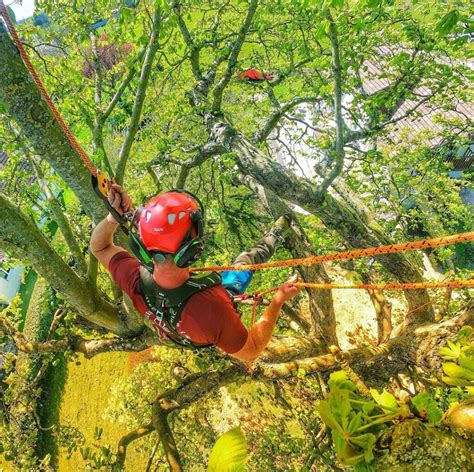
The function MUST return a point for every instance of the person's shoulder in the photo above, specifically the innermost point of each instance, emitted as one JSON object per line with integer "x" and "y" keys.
{"x": 120, "y": 257}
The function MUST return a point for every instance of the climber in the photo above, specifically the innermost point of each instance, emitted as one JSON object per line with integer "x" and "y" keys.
{"x": 254, "y": 75}
{"x": 190, "y": 310}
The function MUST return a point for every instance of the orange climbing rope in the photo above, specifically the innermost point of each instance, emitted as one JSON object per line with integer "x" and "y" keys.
{"x": 44, "y": 93}
{"x": 357, "y": 253}
{"x": 258, "y": 296}
{"x": 394, "y": 286}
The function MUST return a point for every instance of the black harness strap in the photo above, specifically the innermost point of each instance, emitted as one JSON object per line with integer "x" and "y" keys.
{"x": 166, "y": 306}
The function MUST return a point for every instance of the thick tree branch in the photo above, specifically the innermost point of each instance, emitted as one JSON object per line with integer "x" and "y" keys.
{"x": 162, "y": 427}
{"x": 24, "y": 103}
{"x": 23, "y": 237}
{"x": 320, "y": 301}
{"x": 346, "y": 220}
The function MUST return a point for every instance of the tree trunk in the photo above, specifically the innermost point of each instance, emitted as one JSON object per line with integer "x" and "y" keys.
{"x": 23, "y": 101}
{"x": 320, "y": 301}
{"x": 335, "y": 214}
{"x": 29, "y": 244}
{"x": 24, "y": 429}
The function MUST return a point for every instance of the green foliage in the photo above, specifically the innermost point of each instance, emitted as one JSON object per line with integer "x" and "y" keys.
{"x": 356, "y": 422}
{"x": 427, "y": 407}
{"x": 460, "y": 354}
{"x": 447, "y": 23}
{"x": 229, "y": 454}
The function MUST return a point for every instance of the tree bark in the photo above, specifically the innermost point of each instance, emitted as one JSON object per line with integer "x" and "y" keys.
{"x": 23, "y": 102}
{"x": 320, "y": 301}
{"x": 28, "y": 244}
{"x": 335, "y": 214}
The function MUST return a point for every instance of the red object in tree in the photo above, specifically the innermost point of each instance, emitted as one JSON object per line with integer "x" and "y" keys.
{"x": 255, "y": 75}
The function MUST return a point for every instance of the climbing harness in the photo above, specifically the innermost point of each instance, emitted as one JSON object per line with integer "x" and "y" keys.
{"x": 166, "y": 306}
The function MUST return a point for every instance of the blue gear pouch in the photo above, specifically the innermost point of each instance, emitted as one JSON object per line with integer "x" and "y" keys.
{"x": 236, "y": 281}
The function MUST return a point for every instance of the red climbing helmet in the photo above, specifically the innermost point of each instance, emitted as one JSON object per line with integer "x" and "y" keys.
{"x": 168, "y": 221}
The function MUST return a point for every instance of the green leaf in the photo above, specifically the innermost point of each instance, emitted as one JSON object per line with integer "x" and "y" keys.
{"x": 427, "y": 407}
{"x": 386, "y": 400}
{"x": 465, "y": 333}
{"x": 447, "y": 23}
{"x": 366, "y": 442}
{"x": 451, "y": 352}
{"x": 323, "y": 407}
{"x": 355, "y": 423}
{"x": 229, "y": 453}
{"x": 339, "y": 380}
{"x": 466, "y": 361}
{"x": 456, "y": 382}
{"x": 453, "y": 370}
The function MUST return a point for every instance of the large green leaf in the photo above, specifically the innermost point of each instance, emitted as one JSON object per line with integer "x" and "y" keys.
{"x": 450, "y": 352}
{"x": 456, "y": 371}
{"x": 385, "y": 399}
{"x": 323, "y": 407}
{"x": 229, "y": 454}
{"x": 427, "y": 406}
{"x": 447, "y": 23}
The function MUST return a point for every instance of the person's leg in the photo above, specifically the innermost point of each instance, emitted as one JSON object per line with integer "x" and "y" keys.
{"x": 237, "y": 282}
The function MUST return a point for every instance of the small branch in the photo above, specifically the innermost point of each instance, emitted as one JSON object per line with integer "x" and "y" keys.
{"x": 383, "y": 313}
{"x": 57, "y": 213}
{"x": 160, "y": 423}
{"x": 234, "y": 54}
{"x": 151, "y": 50}
{"x": 122, "y": 87}
{"x": 273, "y": 120}
{"x": 194, "y": 50}
{"x": 124, "y": 442}
{"x": 337, "y": 160}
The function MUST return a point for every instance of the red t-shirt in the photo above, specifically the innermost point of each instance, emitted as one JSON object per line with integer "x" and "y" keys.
{"x": 209, "y": 317}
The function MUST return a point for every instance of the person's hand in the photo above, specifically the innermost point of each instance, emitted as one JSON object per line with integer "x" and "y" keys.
{"x": 119, "y": 199}
{"x": 287, "y": 290}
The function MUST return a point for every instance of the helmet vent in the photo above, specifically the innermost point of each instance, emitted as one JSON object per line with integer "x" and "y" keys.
{"x": 171, "y": 218}
{"x": 181, "y": 215}
{"x": 147, "y": 216}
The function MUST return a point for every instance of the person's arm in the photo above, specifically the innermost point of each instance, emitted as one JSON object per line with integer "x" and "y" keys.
{"x": 102, "y": 238}
{"x": 261, "y": 332}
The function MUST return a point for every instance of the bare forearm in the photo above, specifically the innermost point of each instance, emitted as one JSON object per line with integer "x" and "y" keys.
{"x": 260, "y": 333}
{"x": 103, "y": 235}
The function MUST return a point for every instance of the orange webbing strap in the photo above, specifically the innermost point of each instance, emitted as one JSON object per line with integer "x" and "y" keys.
{"x": 47, "y": 98}
{"x": 371, "y": 251}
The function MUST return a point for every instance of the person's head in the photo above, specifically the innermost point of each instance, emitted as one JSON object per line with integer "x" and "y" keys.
{"x": 170, "y": 227}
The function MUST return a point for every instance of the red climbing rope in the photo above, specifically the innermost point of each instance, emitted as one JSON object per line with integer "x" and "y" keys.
{"x": 44, "y": 93}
